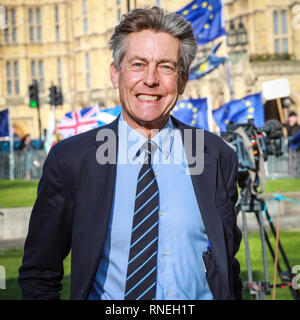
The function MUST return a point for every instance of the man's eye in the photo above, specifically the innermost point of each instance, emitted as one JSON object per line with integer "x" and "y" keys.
{"x": 137, "y": 65}
{"x": 167, "y": 68}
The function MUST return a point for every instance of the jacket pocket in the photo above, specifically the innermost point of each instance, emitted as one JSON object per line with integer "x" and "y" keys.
{"x": 213, "y": 277}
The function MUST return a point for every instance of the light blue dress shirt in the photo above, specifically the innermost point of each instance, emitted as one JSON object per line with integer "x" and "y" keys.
{"x": 182, "y": 236}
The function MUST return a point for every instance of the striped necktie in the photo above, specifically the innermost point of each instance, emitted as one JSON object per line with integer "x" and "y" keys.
{"x": 141, "y": 270}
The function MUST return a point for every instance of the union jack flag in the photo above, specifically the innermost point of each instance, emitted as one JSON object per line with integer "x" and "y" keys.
{"x": 78, "y": 121}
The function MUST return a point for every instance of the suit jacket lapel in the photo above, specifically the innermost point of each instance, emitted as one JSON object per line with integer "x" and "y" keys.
{"x": 102, "y": 181}
{"x": 205, "y": 187}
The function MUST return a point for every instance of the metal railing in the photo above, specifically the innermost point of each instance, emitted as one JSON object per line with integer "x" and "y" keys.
{"x": 285, "y": 166}
{"x": 28, "y": 164}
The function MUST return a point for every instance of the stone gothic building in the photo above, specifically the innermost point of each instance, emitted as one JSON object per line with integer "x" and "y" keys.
{"x": 64, "y": 42}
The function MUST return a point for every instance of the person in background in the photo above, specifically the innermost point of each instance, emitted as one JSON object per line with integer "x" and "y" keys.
{"x": 43, "y": 139}
{"x": 26, "y": 146}
{"x": 292, "y": 127}
{"x": 294, "y": 150}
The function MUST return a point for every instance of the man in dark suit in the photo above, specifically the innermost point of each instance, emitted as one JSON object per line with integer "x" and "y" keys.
{"x": 146, "y": 203}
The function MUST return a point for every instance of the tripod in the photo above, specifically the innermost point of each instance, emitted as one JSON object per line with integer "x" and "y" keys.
{"x": 249, "y": 202}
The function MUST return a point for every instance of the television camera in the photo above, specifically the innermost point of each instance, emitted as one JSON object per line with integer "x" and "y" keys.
{"x": 253, "y": 147}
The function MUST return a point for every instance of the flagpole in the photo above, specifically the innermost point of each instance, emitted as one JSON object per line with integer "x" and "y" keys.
{"x": 209, "y": 114}
{"x": 53, "y": 111}
{"x": 11, "y": 149}
{"x": 51, "y": 130}
{"x": 228, "y": 74}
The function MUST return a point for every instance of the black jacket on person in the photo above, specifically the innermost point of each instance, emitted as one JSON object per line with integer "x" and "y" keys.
{"x": 292, "y": 130}
{"x": 73, "y": 206}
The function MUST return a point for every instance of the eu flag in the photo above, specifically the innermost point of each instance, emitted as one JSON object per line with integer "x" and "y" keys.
{"x": 193, "y": 112}
{"x": 206, "y": 18}
{"x": 240, "y": 111}
{"x": 206, "y": 64}
{"x": 4, "y": 127}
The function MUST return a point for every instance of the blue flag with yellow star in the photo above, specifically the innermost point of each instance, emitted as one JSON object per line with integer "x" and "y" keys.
{"x": 4, "y": 127}
{"x": 206, "y": 18}
{"x": 193, "y": 112}
{"x": 240, "y": 111}
{"x": 207, "y": 64}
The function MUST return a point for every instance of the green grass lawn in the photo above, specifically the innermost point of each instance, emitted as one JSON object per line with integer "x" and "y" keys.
{"x": 290, "y": 241}
{"x": 283, "y": 185}
{"x": 11, "y": 260}
{"x": 20, "y": 193}
{"x": 17, "y": 193}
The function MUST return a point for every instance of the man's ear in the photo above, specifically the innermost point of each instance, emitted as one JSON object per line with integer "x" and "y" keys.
{"x": 114, "y": 76}
{"x": 182, "y": 83}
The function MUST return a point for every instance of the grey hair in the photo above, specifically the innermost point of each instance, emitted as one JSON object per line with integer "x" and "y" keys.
{"x": 156, "y": 20}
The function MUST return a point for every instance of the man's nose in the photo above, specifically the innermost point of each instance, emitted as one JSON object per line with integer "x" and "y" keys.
{"x": 151, "y": 78}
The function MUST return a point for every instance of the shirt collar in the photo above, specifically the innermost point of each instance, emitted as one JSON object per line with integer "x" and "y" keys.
{"x": 132, "y": 141}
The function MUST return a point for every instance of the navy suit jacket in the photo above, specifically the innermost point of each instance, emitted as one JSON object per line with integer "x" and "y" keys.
{"x": 73, "y": 206}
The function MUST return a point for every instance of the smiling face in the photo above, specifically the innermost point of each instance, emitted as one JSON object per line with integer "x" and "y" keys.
{"x": 148, "y": 80}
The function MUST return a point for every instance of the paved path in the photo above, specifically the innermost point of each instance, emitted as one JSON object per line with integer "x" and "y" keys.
{"x": 12, "y": 244}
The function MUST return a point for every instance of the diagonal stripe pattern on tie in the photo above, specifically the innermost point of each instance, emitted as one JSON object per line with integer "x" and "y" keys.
{"x": 141, "y": 270}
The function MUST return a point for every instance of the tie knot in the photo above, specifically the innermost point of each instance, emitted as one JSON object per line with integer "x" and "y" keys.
{"x": 149, "y": 148}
